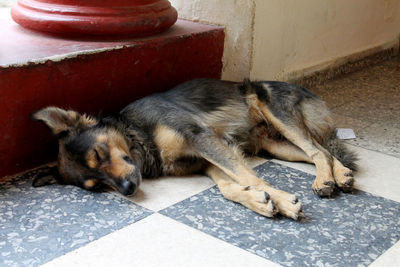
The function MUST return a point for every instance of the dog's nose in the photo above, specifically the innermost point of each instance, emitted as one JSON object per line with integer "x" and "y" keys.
{"x": 127, "y": 187}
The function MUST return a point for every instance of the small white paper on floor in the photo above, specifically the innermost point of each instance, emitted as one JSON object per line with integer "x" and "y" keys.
{"x": 345, "y": 133}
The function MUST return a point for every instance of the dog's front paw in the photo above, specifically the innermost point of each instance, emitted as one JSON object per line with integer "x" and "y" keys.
{"x": 288, "y": 204}
{"x": 258, "y": 201}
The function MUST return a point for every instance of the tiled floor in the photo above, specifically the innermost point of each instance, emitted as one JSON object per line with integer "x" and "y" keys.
{"x": 178, "y": 221}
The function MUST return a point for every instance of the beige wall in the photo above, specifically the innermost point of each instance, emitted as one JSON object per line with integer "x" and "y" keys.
{"x": 282, "y": 39}
{"x": 292, "y": 37}
{"x": 237, "y": 17}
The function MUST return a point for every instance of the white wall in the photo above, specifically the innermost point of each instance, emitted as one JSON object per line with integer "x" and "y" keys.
{"x": 292, "y": 37}
{"x": 281, "y": 39}
{"x": 237, "y": 17}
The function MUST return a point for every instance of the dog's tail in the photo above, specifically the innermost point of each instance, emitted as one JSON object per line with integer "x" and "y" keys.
{"x": 336, "y": 147}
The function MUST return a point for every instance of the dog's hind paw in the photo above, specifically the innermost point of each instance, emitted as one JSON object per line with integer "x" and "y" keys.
{"x": 344, "y": 179}
{"x": 325, "y": 189}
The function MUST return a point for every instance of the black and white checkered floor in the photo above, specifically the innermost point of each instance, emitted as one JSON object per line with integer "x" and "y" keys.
{"x": 178, "y": 221}
{"x": 185, "y": 221}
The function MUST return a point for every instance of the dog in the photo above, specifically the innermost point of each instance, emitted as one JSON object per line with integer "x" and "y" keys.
{"x": 205, "y": 126}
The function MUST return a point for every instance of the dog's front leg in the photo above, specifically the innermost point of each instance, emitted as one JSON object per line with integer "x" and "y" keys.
{"x": 256, "y": 200}
{"x": 231, "y": 162}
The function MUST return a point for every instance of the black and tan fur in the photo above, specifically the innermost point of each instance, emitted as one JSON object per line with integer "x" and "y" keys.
{"x": 206, "y": 126}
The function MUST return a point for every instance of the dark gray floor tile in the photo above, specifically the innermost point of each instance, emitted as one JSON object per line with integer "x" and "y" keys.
{"x": 39, "y": 224}
{"x": 348, "y": 230}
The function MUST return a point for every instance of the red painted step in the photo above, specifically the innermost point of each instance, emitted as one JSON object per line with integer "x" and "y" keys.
{"x": 37, "y": 70}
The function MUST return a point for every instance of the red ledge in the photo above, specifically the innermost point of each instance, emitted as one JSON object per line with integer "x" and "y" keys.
{"x": 37, "y": 70}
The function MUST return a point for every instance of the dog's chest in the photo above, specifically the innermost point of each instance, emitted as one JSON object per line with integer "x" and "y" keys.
{"x": 173, "y": 149}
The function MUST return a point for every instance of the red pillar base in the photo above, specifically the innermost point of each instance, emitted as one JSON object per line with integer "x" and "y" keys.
{"x": 95, "y": 17}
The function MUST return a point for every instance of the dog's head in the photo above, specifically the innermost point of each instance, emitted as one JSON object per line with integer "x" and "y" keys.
{"x": 90, "y": 154}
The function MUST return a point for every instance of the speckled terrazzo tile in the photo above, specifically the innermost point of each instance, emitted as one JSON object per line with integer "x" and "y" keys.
{"x": 39, "y": 224}
{"x": 377, "y": 137}
{"x": 349, "y": 230}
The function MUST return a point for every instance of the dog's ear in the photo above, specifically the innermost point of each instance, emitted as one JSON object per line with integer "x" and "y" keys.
{"x": 62, "y": 121}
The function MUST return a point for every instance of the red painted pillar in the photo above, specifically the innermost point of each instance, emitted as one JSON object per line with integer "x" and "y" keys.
{"x": 95, "y": 17}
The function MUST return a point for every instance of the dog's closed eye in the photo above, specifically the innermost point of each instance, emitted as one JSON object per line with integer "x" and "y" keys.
{"x": 100, "y": 153}
{"x": 128, "y": 159}
{"x": 98, "y": 157}
{"x": 95, "y": 158}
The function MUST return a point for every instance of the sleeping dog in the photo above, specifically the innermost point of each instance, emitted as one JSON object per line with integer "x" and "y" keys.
{"x": 207, "y": 126}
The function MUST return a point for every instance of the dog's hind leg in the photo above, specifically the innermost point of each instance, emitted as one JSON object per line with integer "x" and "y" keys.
{"x": 256, "y": 200}
{"x": 284, "y": 150}
{"x": 324, "y": 182}
{"x": 343, "y": 176}
{"x": 287, "y": 151}
{"x": 211, "y": 148}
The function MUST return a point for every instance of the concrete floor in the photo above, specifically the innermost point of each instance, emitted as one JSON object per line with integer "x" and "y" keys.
{"x": 368, "y": 101}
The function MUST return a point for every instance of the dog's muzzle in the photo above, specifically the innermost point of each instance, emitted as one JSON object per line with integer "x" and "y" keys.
{"x": 127, "y": 187}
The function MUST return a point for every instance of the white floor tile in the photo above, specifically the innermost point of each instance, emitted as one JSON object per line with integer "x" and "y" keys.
{"x": 160, "y": 193}
{"x": 255, "y": 161}
{"x": 378, "y": 174}
{"x": 390, "y": 258}
{"x": 159, "y": 241}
